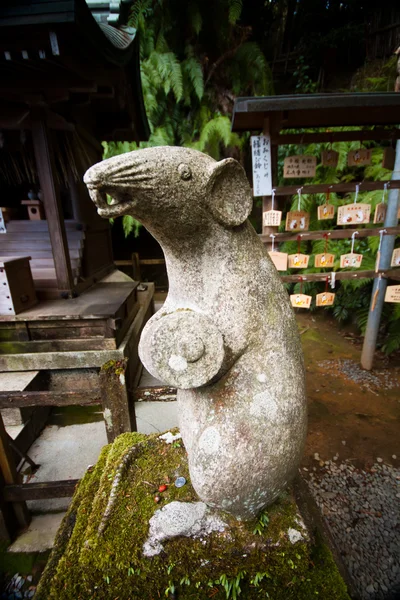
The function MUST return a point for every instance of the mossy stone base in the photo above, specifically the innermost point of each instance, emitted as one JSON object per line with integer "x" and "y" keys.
{"x": 97, "y": 556}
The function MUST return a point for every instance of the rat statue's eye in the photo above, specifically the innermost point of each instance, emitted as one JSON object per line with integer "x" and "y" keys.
{"x": 184, "y": 171}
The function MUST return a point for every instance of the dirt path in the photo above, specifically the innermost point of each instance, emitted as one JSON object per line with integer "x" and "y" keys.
{"x": 352, "y": 413}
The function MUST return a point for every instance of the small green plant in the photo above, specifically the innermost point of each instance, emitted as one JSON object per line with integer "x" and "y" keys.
{"x": 231, "y": 586}
{"x": 170, "y": 589}
{"x": 261, "y": 524}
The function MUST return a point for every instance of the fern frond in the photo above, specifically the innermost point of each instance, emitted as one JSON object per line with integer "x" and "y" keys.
{"x": 196, "y": 20}
{"x": 192, "y": 67}
{"x": 235, "y": 10}
{"x": 129, "y": 225}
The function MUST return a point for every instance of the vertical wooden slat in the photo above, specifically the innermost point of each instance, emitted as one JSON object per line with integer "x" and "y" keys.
{"x": 17, "y": 516}
{"x": 46, "y": 170}
{"x": 118, "y": 416}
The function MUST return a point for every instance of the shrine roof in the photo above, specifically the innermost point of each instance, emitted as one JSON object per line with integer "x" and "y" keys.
{"x": 316, "y": 110}
{"x": 70, "y": 53}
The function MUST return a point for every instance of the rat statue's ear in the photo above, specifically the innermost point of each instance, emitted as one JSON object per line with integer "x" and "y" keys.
{"x": 228, "y": 193}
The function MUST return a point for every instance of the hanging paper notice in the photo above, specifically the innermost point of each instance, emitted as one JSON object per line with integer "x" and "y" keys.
{"x": 279, "y": 259}
{"x": 2, "y": 223}
{"x": 324, "y": 260}
{"x": 351, "y": 260}
{"x": 325, "y": 299}
{"x": 300, "y": 300}
{"x": 359, "y": 158}
{"x": 303, "y": 165}
{"x": 297, "y": 220}
{"x": 330, "y": 158}
{"x": 395, "y": 258}
{"x": 326, "y": 211}
{"x": 272, "y": 218}
{"x": 298, "y": 261}
{"x": 353, "y": 213}
{"x": 380, "y": 212}
{"x": 392, "y": 293}
{"x": 261, "y": 158}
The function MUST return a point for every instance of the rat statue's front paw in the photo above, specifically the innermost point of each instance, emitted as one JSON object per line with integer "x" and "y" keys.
{"x": 183, "y": 349}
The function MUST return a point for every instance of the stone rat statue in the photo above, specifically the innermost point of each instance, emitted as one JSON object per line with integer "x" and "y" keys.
{"x": 226, "y": 336}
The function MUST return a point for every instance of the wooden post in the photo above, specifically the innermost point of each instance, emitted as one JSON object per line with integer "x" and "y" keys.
{"x": 378, "y": 293}
{"x": 136, "y": 274}
{"x": 16, "y": 515}
{"x": 46, "y": 170}
{"x": 119, "y": 417}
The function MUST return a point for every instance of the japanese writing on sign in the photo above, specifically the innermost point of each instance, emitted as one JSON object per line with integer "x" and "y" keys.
{"x": 326, "y": 211}
{"x": 2, "y": 224}
{"x": 325, "y": 299}
{"x": 261, "y": 158}
{"x": 299, "y": 166}
{"x": 300, "y": 300}
{"x": 392, "y": 293}
{"x": 353, "y": 213}
{"x": 272, "y": 218}
{"x": 395, "y": 258}
{"x": 298, "y": 261}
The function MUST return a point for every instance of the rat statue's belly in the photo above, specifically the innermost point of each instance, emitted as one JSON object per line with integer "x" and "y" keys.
{"x": 244, "y": 435}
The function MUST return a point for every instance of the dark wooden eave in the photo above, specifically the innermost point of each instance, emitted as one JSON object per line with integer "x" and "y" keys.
{"x": 55, "y": 54}
{"x": 316, "y": 110}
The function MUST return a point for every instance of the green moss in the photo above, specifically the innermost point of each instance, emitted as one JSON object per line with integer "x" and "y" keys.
{"x": 20, "y": 562}
{"x": 254, "y": 559}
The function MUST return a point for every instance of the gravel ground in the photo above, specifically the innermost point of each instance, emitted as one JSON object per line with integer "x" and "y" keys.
{"x": 384, "y": 379}
{"x": 362, "y": 510}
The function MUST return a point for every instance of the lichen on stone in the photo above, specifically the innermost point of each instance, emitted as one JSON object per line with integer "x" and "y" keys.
{"x": 256, "y": 557}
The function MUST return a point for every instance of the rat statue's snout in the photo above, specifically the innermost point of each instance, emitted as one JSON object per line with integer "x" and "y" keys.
{"x": 226, "y": 336}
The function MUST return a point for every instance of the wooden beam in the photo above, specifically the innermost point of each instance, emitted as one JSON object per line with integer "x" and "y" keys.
{"x": 152, "y": 394}
{"x": 40, "y": 491}
{"x": 114, "y": 395}
{"x": 19, "y": 517}
{"x": 48, "y": 398}
{"x": 341, "y": 275}
{"x": 322, "y": 188}
{"x": 336, "y": 136}
{"x": 46, "y": 170}
{"x": 334, "y": 234}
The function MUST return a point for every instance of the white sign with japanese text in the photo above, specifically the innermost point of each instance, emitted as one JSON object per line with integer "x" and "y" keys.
{"x": 2, "y": 223}
{"x": 261, "y": 158}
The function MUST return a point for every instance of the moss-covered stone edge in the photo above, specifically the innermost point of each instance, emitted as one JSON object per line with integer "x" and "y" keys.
{"x": 252, "y": 560}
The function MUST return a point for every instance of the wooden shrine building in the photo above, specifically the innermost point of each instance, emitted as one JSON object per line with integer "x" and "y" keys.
{"x": 70, "y": 79}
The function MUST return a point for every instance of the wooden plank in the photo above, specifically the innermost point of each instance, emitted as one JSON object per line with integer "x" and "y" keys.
{"x": 333, "y": 234}
{"x": 101, "y": 301}
{"x": 114, "y": 395}
{"x": 46, "y": 169}
{"x": 34, "y": 253}
{"x": 16, "y": 381}
{"x": 9, "y": 476}
{"x": 58, "y": 345}
{"x": 39, "y": 236}
{"x": 152, "y": 394}
{"x": 49, "y": 398}
{"x": 27, "y": 225}
{"x": 341, "y": 275}
{"x": 13, "y": 331}
{"x": 25, "y": 246}
{"x": 322, "y": 188}
{"x": 40, "y": 491}
{"x": 58, "y": 360}
{"x": 336, "y": 136}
